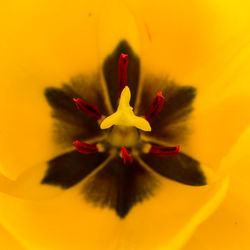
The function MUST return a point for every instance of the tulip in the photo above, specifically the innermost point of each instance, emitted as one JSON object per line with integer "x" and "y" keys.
{"x": 131, "y": 120}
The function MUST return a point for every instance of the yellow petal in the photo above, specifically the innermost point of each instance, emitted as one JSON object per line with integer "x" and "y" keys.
{"x": 193, "y": 42}
{"x": 43, "y": 44}
{"x": 28, "y": 185}
{"x": 7, "y": 241}
{"x": 69, "y": 222}
{"x": 217, "y": 125}
{"x": 116, "y": 24}
{"x": 229, "y": 226}
{"x": 222, "y": 113}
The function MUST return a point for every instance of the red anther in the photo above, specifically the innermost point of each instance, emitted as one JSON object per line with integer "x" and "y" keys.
{"x": 126, "y": 156}
{"x": 122, "y": 72}
{"x": 88, "y": 108}
{"x": 156, "y": 107}
{"x": 164, "y": 151}
{"x": 85, "y": 148}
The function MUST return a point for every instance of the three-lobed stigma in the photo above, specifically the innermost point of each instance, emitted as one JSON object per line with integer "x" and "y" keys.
{"x": 124, "y": 116}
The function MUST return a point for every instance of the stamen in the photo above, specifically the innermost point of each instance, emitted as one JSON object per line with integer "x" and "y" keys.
{"x": 156, "y": 107}
{"x": 122, "y": 72}
{"x": 88, "y": 108}
{"x": 126, "y": 156}
{"x": 162, "y": 151}
{"x": 85, "y": 148}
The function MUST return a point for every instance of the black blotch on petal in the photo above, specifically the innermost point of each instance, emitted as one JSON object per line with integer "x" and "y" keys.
{"x": 181, "y": 168}
{"x": 120, "y": 187}
{"x": 70, "y": 168}
{"x": 171, "y": 123}
{"x": 72, "y": 124}
{"x": 110, "y": 70}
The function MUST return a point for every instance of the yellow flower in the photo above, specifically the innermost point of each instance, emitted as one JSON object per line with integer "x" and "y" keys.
{"x": 203, "y": 44}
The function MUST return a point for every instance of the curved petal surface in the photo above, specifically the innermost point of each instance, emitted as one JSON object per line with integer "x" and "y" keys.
{"x": 8, "y": 242}
{"x": 193, "y": 41}
{"x": 69, "y": 222}
{"x": 43, "y": 45}
{"x": 228, "y": 227}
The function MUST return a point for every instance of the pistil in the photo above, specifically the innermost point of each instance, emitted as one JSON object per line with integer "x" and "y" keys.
{"x": 124, "y": 116}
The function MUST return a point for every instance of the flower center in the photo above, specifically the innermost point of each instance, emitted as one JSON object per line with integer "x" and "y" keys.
{"x": 123, "y": 136}
{"x": 123, "y": 127}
